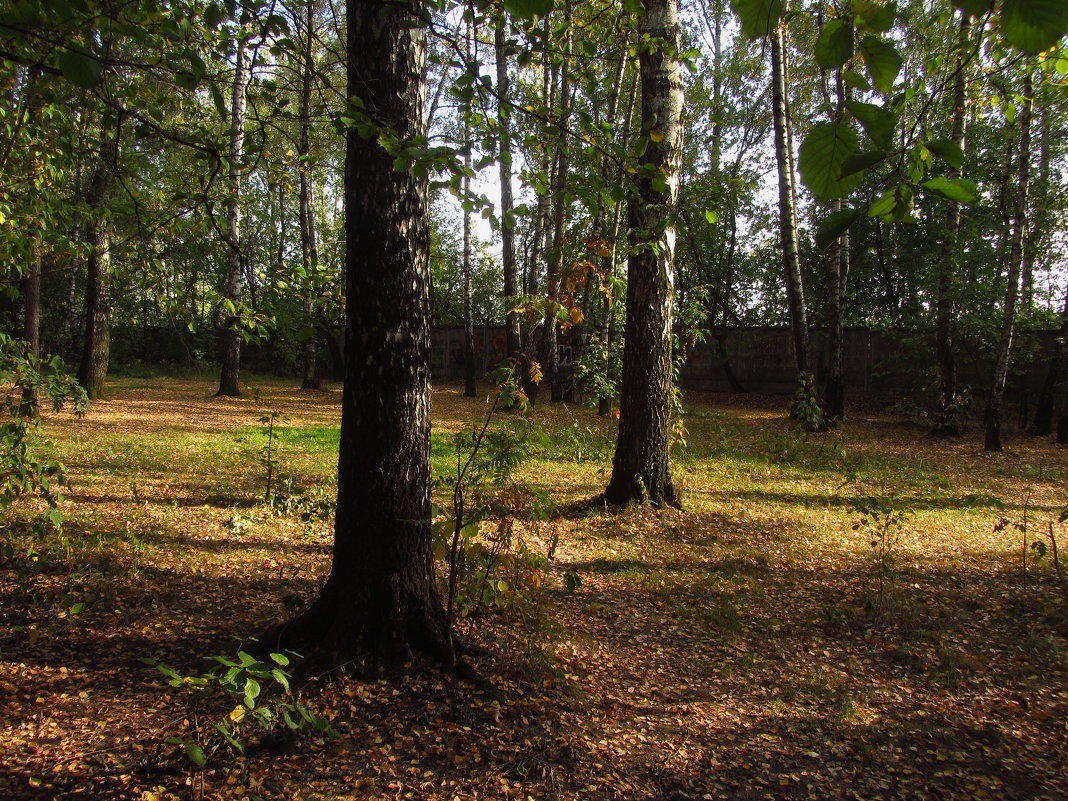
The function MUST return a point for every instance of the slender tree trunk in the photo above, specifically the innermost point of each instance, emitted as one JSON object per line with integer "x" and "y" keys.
{"x": 640, "y": 467}
{"x": 946, "y": 422}
{"x": 504, "y": 138}
{"x": 229, "y": 381}
{"x": 837, "y": 279}
{"x": 470, "y": 368}
{"x": 1016, "y": 258}
{"x": 380, "y": 603}
{"x": 309, "y": 247}
{"x": 555, "y": 262}
{"x": 795, "y": 293}
{"x": 97, "y": 341}
{"x": 30, "y": 283}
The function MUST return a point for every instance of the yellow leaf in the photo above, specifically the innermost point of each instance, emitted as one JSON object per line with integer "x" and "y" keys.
{"x": 656, "y": 136}
{"x": 237, "y": 714}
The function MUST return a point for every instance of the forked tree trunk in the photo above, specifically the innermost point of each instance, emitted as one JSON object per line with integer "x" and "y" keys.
{"x": 996, "y": 396}
{"x": 640, "y": 468}
{"x": 229, "y": 380}
{"x": 380, "y": 604}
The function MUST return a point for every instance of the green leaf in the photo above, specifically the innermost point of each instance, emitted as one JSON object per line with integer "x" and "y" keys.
{"x": 835, "y": 45}
{"x": 80, "y": 68}
{"x": 823, "y": 153}
{"x": 711, "y": 216}
{"x": 856, "y": 80}
{"x": 196, "y": 754}
{"x": 832, "y": 227}
{"x": 1033, "y": 25}
{"x": 526, "y": 9}
{"x": 959, "y": 189}
{"x": 878, "y": 122}
{"x": 949, "y": 151}
{"x": 879, "y": 18}
{"x": 882, "y": 60}
{"x": 885, "y": 203}
{"x": 758, "y": 17}
{"x": 633, "y": 7}
{"x": 861, "y": 161}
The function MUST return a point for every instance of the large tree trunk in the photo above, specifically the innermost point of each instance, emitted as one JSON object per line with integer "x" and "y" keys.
{"x": 946, "y": 422}
{"x": 640, "y": 468}
{"x": 309, "y": 247}
{"x": 795, "y": 293}
{"x": 504, "y": 139}
{"x": 229, "y": 383}
{"x": 380, "y": 603}
{"x": 97, "y": 342}
{"x": 996, "y": 396}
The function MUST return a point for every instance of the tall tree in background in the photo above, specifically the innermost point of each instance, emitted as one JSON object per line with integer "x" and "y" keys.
{"x": 96, "y": 347}
{"x": 229, "y": 383}
{"x": 640, "y": 468}
{"x": 309, "y": 246}
{"x": 996, "y": 395}
{"x": 791, "y": 260}
{"x": 504, "y": 140}
{"x": 946, "y": 423}
{"x": 380, "y": 603}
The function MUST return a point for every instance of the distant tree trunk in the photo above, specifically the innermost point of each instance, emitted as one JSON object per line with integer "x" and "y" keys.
{"x": 470, "y": 368}
{"x": 837, "y": 279}
{"x": 795, "y": 293}
{"x": 504, "y": 138}
{"x": 1016, "y": 257}
{"x": 229, "y": 383}
{"x": 555, "y": 262}
{"x": 31, "y": 314}
{"x": 946, "y": 422}
{"x": 380, "y": 604}
{"x": 640, "y": 467}
{"x": 309, "y": 247}
{"x": 97, "y": 341}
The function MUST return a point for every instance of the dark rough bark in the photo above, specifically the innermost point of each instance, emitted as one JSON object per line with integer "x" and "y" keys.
{"x": 946, "y": 422}
{"x": 996, "y": 395}
{"x": 380, "y": 603}
{"x": 640, "y": 467}
{"x": 229, "y": 379}
{"x": 96, "y": 346}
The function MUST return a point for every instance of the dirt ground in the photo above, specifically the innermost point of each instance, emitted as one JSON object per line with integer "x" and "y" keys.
{"x": 769, "y": 640}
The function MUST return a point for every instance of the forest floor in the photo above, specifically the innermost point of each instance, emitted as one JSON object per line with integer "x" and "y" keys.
{"x": 842, "y": 616}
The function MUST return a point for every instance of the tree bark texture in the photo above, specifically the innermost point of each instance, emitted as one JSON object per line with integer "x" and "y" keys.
{"x": 996, "y": 396}
{"x": 309, "y": 247}
{"x": 229, "y": 380}
{"x": 640, "y": 468}
{"x": 946, "y": 422}
{"x": 470, "y": 368}
{"x": 504, "y": 138}
{"x": 380, "y": 603}
{"x": 96, "y": 345}
{"x": 795, "y": 293}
